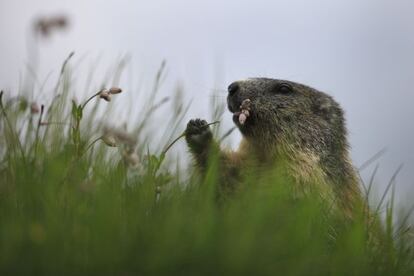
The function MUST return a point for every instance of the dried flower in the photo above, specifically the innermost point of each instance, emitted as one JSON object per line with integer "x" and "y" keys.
{"x": 34, "y": 108}
{"x": 104, "y": 94}
{"x": 109, "y": 140}
{"x": 131, "y": 158}
{"x": 59, "y": 22}
{"x": 113, "y": 137}
{"x": 245, "y": 104}
{"x": 115, "y": 90}
{"x": 244, "y": 111}
{"x": 46, "y": 25}
{"x": 121, "y": 136}
{"x": 242, "y": 118}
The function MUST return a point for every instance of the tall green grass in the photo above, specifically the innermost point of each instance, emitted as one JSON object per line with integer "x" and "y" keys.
{"x": 70, "y": 204}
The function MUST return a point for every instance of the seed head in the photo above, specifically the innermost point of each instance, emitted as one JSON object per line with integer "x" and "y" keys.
{"x": 34, "y": 108}
{"x": 45, "y": 26}
{"x": 109, "y": 140}
{"x": 131, "y": 158}
{"x": 104, "y": 94}
{"x": 119, "y": 137}
{"x": 244, "y": 111}
{"x": 59, "y": 22}
{"x": 242, "y": 118}
{"x": 246, "y": 104}
{"x": 115, "y": 90}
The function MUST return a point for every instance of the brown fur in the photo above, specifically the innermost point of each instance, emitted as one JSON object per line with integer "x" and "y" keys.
{"x": 290, "y": 124}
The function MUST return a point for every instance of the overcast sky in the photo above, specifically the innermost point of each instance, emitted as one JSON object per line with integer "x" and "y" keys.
{"x": 361, "y": 52}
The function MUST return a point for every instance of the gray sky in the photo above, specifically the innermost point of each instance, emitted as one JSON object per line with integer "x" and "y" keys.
{"x": 361, "y": 52}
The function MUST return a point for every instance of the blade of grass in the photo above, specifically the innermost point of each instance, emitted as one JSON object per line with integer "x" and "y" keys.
{"x": 372, "y": 159}
{"x": 390, "y": 183}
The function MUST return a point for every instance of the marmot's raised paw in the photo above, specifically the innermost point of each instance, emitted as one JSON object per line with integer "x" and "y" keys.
{"x": 198, "y": 135}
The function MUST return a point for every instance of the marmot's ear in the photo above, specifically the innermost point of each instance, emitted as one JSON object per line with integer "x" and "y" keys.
{"x": 324, "y": 107}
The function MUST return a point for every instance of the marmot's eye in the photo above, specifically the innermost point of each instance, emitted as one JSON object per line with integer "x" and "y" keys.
{"x": 284, "y": 88}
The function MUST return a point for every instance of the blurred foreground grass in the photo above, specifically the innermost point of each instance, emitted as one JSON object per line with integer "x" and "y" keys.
{"x": 69, "y": 204}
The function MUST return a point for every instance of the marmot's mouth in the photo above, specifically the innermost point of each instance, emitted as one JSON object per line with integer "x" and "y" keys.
{"x": 241, "y": 116}
{"x": 236, "y": 118}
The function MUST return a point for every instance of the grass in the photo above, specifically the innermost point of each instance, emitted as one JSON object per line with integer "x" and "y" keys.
{"x": 70, "y": 204}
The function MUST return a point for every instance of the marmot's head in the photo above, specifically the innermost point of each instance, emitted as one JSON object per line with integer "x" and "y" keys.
{"x": 287, "y": 110}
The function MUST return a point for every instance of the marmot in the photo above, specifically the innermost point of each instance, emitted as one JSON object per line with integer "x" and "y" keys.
{"x": 290, "y": 123}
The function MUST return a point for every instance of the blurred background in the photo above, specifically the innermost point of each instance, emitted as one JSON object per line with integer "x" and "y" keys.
{"x": 361, "y": 52}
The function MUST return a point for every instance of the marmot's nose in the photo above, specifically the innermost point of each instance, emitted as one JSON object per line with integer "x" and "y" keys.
{"x": 233, "y": 88}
